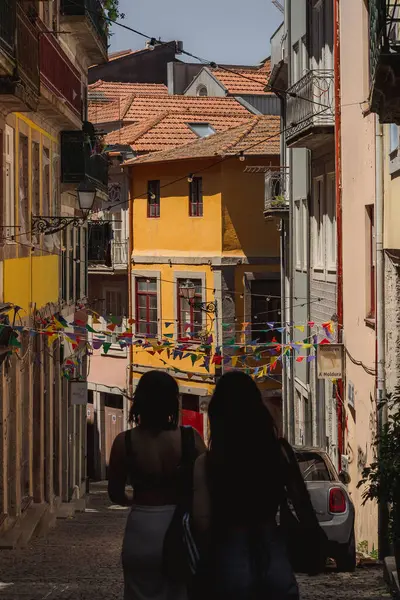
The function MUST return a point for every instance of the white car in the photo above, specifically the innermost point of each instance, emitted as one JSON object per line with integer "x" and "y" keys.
{"x": 332, "y": 503}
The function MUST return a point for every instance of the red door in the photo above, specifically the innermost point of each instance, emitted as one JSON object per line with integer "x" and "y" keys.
{"x": 194, "y": 419}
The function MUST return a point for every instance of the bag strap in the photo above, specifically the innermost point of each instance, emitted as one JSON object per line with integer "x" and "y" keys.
{"x": 128, "y": 443}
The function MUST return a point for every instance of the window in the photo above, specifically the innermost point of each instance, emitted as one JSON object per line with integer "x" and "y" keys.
{"x": 64, "y": 266}
{"x": 196, "y": 197}
{"x": 304, "y": 224}
{"x": 304, "y": 56}
{"x": 202, "y": 129}
{"x": 296, "y": 63}
{"x": 153, "y": 199}
{"x": 85, "y": 261}
{"x": 71, "y": 265}
{"x": 265, "y": 307}
{"x": 46, "y": 181}
{"x": 298, "y": 232}
{"x": 146, "y": 306}
{"x": 330, "y": 229}
{"x": 313, "y": 466}
{"x": 318, "y": 220}
{"x": 190, "y": 317}
{"x": 394, "y": 137}
{"x": 10, "y": 189}
{"x": 371, "y": 261}
{"x": 77, "y": 262}
{"x": 201, "y": 90}
{"x": 36, "y": 178}
{"x": 23, "y": 185}
{"x": 114, "y": 306}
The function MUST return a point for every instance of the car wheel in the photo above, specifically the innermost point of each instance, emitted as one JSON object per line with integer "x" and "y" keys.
{"x": 346, "y": 556}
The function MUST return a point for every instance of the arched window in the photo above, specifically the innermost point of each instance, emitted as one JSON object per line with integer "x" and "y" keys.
{"x": 201, "y": 90}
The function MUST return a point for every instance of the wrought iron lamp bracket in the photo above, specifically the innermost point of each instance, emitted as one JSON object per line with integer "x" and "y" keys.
{"x": 48, "y": 225}
{"x": 208, "y": 307}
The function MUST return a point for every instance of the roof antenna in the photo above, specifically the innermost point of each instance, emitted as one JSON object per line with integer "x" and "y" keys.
{"x": 278, "y": 5}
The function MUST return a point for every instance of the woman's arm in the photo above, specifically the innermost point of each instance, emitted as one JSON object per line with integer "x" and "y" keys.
{"x": 117, "y": 473}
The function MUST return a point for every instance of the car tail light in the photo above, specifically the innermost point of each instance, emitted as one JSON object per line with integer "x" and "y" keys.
{"x": 337, "y": 501}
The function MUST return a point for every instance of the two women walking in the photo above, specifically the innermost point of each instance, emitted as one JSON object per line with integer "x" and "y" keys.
{"x": 239, "y": 485}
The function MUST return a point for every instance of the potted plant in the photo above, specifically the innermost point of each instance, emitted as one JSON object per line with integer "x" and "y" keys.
{"x": 278, "y": 202}
{"x": 382, "y": 477}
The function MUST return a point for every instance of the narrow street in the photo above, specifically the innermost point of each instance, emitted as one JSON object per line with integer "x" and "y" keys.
{"x": 79, "y": 560}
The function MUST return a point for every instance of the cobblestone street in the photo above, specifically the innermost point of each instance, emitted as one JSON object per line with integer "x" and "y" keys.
{"x": 79, "y": 560}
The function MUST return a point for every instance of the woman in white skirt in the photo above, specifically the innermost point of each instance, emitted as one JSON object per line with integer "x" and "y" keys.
{"x": 148, "y": 457}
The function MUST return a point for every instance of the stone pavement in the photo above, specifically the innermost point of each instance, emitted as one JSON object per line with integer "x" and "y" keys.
{"x": 80, "y": 560}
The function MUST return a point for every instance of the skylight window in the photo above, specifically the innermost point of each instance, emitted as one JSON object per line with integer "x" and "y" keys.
{"x": 202, "y": 129}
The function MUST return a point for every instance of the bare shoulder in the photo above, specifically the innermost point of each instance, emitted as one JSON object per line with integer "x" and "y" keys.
{"x": 119, "y": 442}
{"x": 200, "y": 464}
{"x": 199, "y": 442}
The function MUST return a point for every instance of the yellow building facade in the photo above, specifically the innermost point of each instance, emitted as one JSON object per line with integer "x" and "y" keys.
{"x": 198, "y": 223}
{"x": 43, "y": 76}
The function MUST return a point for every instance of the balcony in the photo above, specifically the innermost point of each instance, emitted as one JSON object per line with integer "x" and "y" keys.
{"x": 385, "y": 60}
{"x": 84, "y": 19}
{"x": 61, "y": 98}
{"x": 80, "y": 162}
{"x": 19, "y": 59}
{"x": 311, "y": 110}
{"x": 276, "y": 204}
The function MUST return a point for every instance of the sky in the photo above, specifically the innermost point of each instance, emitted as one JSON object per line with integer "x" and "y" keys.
{"x": 224, "y": 31}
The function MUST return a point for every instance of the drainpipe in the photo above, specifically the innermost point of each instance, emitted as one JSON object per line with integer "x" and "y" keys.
{"x": 380, "y": 319}
{"x": 289, "y": 247}
{"x": 338, "y": 184}
{"x": 129, "y": 175}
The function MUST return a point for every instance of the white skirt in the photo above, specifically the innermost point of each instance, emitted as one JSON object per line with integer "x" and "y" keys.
{"x": 142, "y": 555}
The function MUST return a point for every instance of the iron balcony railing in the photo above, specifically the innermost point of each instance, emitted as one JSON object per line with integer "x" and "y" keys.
{"x": 80, "y": 162}
{"x": 19, "y": 39}
{"x": 93, "y": 11}
{"x": 310, "y": 104}
{"x": 59, "y": 74}
{"x": 275, "y": 191}
{"x": 27, "y": 51}
{"x": 119, "y": 252}
{"x": 8, "y": 16}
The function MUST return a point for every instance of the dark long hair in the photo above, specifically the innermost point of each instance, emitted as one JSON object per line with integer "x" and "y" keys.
{"x": 244, "y": 460}
{"x": 156, "y": 402}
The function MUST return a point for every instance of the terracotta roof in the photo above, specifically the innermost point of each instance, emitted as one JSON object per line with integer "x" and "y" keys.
{"x": 142, "y": 107}
{"x": 243, "y": 81}
{"x": 168, "y": 129}
{"x": 122, "y": 54}
{"x": 259, "y": 135}
{"x": 108, "y": 112}
{"x": 103, "y": 91}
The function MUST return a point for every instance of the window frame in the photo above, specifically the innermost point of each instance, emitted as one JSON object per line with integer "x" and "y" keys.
{"x": 153, "y": 188}
{"x": 298, "y": 234}
{"x": 181, "y": 331}
{"x": 371, "y": 265}
{"x": 10, "y": 208}
{"x": 330, "y": 225}
{"x": 196, "y": 197}
{"x": 318, "y": 225}
{"x": 147, "y": 294}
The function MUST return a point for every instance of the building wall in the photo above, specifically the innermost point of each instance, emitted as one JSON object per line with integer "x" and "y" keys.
{"x": 358, "y": 181}
{"x": 221, "y": 248}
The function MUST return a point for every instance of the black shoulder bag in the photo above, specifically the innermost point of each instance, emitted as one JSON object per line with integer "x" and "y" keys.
{"x": 180, "y": 554}
{"x": 306, "y": 541}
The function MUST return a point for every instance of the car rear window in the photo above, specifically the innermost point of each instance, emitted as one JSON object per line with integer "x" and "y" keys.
{"x": 313, "y": 467}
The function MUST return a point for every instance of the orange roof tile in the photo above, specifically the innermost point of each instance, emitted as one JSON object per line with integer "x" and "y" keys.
{"x": 142, "y": 107}
{"x": 169, "y": 129}
{"x": 104, "y": 91}
{"x": 242, "y": 81}
{"x": 259, "y": 135}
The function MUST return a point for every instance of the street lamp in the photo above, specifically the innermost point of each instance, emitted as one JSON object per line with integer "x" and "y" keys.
{"x": 48, "y": 225}
{"x": 188, "y": 291}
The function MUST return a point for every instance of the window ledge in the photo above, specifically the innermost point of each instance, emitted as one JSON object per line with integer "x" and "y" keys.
{"x": 370, "y": 322}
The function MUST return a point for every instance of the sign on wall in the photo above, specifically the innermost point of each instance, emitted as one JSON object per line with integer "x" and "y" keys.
{"x": 330, "y": 361}
{"x": 79, "y": 393}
